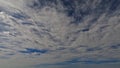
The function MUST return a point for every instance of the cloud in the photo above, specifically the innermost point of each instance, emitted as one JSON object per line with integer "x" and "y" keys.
{"x": 59, "y": 31}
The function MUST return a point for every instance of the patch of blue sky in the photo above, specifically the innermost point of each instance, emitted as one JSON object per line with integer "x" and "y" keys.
{"x": 115, "y": 46}
{"x": 27, "y": 23}
{"x": 79, "y": 65}
{"x": 93, "y": 49}
{"x": 32, "y": 50}
{"x": 1, "y": 46}
{"x": 89, "y": 61}
{"x": 19, "y": 15}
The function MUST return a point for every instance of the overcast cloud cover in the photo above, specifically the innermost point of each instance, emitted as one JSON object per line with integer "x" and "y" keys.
{"x": 59, "y": 33}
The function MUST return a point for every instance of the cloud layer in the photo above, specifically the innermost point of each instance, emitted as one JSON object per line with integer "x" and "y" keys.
{"x": 34, "y": 32}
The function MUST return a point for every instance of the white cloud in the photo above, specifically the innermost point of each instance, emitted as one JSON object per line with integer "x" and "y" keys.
{"x": 53, "y": 31}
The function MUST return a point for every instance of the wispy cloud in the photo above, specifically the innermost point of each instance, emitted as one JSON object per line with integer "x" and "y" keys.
{"x": 34, "y": 32}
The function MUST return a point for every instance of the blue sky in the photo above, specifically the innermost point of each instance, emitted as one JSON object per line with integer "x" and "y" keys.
{"x": 77, "y": 65}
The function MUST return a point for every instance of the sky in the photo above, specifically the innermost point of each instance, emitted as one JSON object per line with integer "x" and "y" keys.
{"x": 59, "y": 33}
